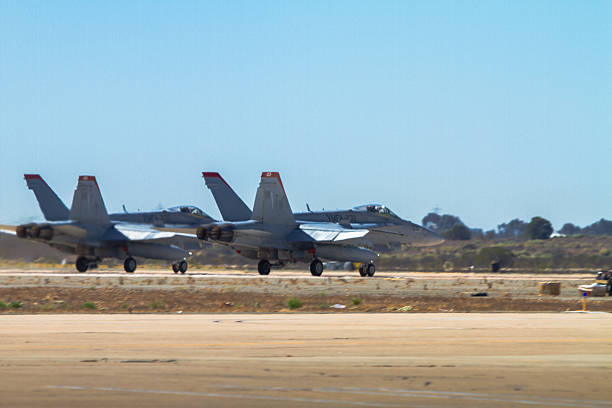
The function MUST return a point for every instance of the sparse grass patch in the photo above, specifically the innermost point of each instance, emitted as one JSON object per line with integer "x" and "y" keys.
{"x": 15, "y": 305}
{"x": 356, "y": 301}
{"x": 89, "y": 305}
{"x": 48, "y": 306}
{"x": 294, "y": 303}
{"x": 3, "y": 305}
{"x": 124, "y": 305}
{"x": 157, "y": 305}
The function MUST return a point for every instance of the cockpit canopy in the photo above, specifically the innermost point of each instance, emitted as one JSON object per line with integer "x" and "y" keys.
{"x": 187, "y": 209}
{"x": 376, "y": 209}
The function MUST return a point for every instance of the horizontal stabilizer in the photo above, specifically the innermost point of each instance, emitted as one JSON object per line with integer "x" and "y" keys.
{"x": 87, "y": 204}
{"x": 271, "y": 204}
{"x": 230, "y": 205}
{"x": 50, "y": 204}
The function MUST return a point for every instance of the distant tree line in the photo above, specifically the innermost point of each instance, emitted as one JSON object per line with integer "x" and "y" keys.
{"x": 452, "y": 228}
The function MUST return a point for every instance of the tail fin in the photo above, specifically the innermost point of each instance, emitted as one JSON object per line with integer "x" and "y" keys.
{"x": 230, "y": 204}
{"x": 271, "y": 204}
{"x": 87, "y": 204}
{"x": 50, "y": 204}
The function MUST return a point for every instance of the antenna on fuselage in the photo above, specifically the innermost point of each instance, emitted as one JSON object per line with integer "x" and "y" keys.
{"x": 308, "y": 208}
{"x": 124, "y": 209}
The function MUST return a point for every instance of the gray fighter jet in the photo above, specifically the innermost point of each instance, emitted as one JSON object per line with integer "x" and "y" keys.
{"x": 274, "y": 234}
{"x": 90, "y": 233}
{"x": 388, "y": 232}
{"x": 54, "y": 209}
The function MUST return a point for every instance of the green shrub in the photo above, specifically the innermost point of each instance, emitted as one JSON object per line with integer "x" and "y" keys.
{"x": 356, "y": 301}
{"x": 15, "y": 305}
{"x": 89, "y": 305}
{"x": 157, "y": 305}
{"x": 294, "y": 303}
{"x": 3, "y": 305}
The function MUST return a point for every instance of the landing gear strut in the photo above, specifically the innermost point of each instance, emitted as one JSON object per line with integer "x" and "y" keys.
{"x": 129, "y": 265}
{"x": 263, "y": 267}
{"x": 316, "y": 267}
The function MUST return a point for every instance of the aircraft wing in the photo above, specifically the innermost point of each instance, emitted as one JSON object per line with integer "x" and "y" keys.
{"x": 142, "y": 233}
{"x": 324, "y": 232}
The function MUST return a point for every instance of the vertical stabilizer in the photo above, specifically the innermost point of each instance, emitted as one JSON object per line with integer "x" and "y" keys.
{"x": 87, "y": 204}
{"x": 50, "y": 204}
{"x": 271, "y": 204}
{"x": 230, "y": 205}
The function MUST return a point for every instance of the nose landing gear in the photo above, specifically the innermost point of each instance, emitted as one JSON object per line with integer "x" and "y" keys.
{"x": 179, "y": 267}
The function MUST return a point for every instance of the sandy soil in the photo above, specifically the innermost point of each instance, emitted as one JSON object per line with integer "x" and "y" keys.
{"x": 306, "y": 360}
{"x": 53, "y": 291}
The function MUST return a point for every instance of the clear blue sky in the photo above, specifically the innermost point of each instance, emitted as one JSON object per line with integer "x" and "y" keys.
{"x": 490, "y": 110}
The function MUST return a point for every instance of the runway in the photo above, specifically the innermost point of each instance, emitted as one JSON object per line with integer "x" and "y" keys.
{"x": 307, "y": 360}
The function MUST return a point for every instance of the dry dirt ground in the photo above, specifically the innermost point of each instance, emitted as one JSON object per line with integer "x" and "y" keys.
{"x": 113, "y": 291}
{"x": 306, "y": 360}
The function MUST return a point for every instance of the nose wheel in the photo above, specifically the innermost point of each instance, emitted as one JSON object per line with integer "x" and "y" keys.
{"x": 129, "y": 265}
{"x": 316, "y": 267}
{"x": 367, "y": 270}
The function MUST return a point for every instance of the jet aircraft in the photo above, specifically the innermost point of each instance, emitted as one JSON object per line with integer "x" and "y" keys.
{"x": 90, "y": 233}
{"x": 387, "y": 231}
{"x": 54, "y": 209}
{"x": 274, "y": 233}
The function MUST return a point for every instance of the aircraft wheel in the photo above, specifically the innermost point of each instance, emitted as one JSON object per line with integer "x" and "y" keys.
{"x": 129, "y": 265}
{"x": 609, "y": 286}
{"x": 371, "y": 269}
{"x": 362, "y": 271}
{"x": 263, "y": 267}
{"x": 316, "y": 267}
{"x": 175, "y": 268}
{"x": 82, "y": 264}
{"x": 182, "y": 266}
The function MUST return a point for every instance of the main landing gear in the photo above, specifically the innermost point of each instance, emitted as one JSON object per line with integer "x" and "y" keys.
{"x": 83, "y": 263}
{"x": 367, "y": 270}
{"x": 316, "y": 267}
{"x": 263, "y": 267}
{"x": 179, "y": 267}
{"x": 130, "y": 264}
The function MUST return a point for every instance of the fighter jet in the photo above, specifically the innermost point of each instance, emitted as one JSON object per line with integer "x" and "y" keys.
{"x": 274, "y": 234}
{"x": 388, "y": 232}
{"x": 92, "y": 235}
{"x": 54, "y": 209}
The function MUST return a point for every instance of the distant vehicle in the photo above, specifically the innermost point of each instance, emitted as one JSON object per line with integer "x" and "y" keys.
{"x": 275, "y": 236}
{"x": 90, "y": 233}
{"x": 387, "y": 231}
{"x": 54, "y": 209}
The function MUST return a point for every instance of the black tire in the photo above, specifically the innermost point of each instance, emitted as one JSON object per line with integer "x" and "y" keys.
{"x": 182, "y": 267}
{"x": 609, "y": 287}
{"x": 362, "y": 271}
{"x": 175, "y": 268}
{"x": 316, "y": 267}
{"x": 129, "y": 265}
{"x": 263, "y": 267}
{"x": 370, "y": 269}
{"x": 82, "y": 264}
